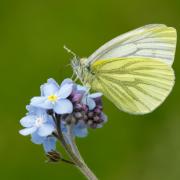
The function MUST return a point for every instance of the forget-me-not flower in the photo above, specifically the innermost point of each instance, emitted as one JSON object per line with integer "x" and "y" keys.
{"x": 55, "y": 97}
{"x": 80, "y": 129}
{"x": 77, "y": 110}
{"x": 37, "y": 121}
{"x": 89, "y": 100}
{"x": 49, "y": 142}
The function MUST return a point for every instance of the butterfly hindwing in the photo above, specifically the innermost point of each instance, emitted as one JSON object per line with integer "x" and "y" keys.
{"x": 134, "y": 85}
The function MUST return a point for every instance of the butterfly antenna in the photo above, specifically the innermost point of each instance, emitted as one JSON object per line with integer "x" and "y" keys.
{"x": 68, "y": 64}
{"x": 69, "y": 51}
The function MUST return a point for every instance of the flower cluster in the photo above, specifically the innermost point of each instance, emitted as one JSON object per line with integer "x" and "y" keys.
{"x": 77, "y": 108}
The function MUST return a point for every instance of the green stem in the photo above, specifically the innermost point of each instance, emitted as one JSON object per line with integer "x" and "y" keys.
{"x": 77, "y": 159}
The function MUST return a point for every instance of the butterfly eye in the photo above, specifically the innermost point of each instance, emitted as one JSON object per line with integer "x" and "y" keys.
{"x": 83, "y": 61}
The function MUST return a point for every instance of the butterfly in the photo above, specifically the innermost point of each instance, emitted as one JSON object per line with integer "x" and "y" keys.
{"x": 132, "y": 70}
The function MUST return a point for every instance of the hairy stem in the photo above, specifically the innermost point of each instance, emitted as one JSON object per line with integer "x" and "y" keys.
{"x": 73, "y": 152}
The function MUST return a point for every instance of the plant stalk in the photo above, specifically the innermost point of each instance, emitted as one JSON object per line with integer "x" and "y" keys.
{"x": 73, "y": 152}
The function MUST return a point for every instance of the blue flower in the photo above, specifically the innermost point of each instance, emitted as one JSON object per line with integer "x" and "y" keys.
{"x": 80, "y": 129}
{"x": 89, "y": 100}
{"x": 55, "y": 97}
{"x": 82, "y": 93}
{"x": 37, "y": 121}
{"x": 49, "y": 142}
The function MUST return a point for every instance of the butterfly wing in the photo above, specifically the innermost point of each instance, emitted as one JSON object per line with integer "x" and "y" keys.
{"x": 154, "y": 41}
{"x": 135, "y": 85}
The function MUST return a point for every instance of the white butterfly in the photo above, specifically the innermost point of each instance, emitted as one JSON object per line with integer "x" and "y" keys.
{"x": 132, "y": 70}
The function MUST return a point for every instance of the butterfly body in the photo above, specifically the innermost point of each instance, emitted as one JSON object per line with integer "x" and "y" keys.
{"x": 132, "y": 70}
{"x": 82, "y": 71}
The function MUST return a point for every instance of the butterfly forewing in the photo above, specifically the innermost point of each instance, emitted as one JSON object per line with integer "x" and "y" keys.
{"x": 134, "y": 85}
{"x": 154, "y": 41}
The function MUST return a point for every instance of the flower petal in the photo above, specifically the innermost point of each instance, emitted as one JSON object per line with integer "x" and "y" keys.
{"x": 67, "y": 81}
{"x": 49, "y": 120}
{"x": 65, "y": 91}
{"x": 31, "y": 110}
{"x": 63, "y": 106}
{"x": 36, "y": 139}
{"x": 49, "y": 144}
{"x": 95, "y": 95}
{"x": 37, "y": 100}
{"x": 28, "y": 121}
{"x": 41, "y": 102}
{"x": 80, "y": 132}
{"x": 46, "y": 105}
{"x": 80, "y": 129}
{"x": 45, "y": 130}
{"x": 27, "y": 131}
{"x": 89, "y": 102}
{"x": 49, "y": 88}
{"x": 52, "y": 81}
{"x": 82, "y": 88}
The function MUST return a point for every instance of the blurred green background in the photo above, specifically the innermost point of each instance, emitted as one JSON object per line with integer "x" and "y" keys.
{"x": 32, "y": 34}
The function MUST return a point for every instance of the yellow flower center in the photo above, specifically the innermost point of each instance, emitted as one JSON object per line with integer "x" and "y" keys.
{"x": 52, "y": 98}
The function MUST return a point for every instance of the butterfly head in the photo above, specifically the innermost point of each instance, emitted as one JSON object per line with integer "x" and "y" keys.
{"x": 78, "y": 65}
{"x": 81, "y": 70}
